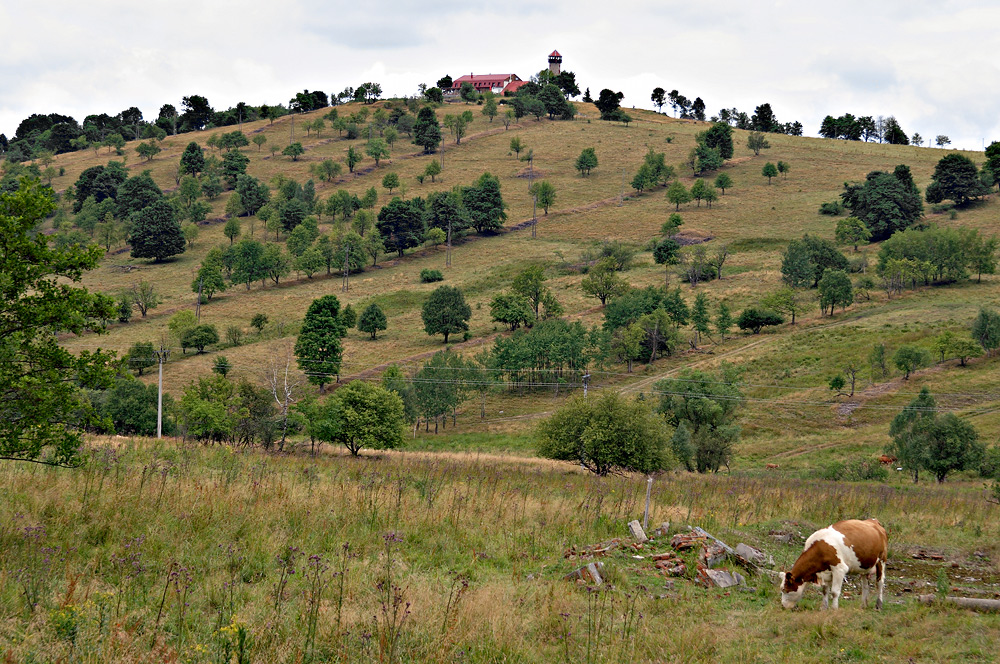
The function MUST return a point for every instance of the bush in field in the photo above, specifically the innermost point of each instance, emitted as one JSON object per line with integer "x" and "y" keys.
{"x": 858, "y": 470}
{"x": 428, "y": 276}
{"x": 605, "y": 434}
{"x": 755, "y": 319}
{"x": 199, "y": 337}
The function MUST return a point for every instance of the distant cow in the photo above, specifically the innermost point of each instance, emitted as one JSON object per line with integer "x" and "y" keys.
{"x": 887, "y": 460}
{"x": 771, "y": 466}
{"x": 831, "y": 553}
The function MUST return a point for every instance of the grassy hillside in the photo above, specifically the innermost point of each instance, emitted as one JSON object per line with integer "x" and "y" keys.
{"x": 786, "y": 370}
{"x": 455, "y": 548}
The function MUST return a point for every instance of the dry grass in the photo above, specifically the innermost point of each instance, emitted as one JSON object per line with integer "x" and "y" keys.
{"x": 499, "y": 525}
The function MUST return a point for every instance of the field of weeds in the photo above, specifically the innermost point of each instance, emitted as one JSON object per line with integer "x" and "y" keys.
{"x": 172, "y": 552}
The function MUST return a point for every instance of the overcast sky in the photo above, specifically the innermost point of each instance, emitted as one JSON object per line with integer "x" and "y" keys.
{"x": 935, "y": 65}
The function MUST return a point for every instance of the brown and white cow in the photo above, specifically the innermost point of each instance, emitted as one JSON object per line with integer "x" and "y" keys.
{"x": 833, "y": 552}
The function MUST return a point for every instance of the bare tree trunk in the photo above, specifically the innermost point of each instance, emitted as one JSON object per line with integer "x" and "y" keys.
{"x": 283, "y": 387}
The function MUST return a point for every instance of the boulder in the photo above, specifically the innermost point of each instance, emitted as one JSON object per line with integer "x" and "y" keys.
{"x": 590, "y": 573}
{"x": 638, "y": 534}
{"x": 755, "y": 556}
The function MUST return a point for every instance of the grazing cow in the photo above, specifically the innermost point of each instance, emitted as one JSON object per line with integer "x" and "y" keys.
{"x": 887, "y": 460}
{"x": 831, "y": 553}
{"x": 771, "y": 466}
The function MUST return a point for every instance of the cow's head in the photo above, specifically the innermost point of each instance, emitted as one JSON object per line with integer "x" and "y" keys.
{"x": 791, "y": 590}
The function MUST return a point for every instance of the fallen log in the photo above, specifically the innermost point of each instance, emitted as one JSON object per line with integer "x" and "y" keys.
{"x": 964, "y": 602}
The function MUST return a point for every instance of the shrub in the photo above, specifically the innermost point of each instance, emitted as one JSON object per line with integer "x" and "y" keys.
{"x": 430, "y": 276}
{"x": 989, "y": 466}
{"x": 234, "y": 335}
{"x": 834, "y": 209}
{"x": 707, "y": 272}
{"x": 199, "y": 337}
{"x": 755, "y": 319}
{"x": 858, "y": 470}
{"x": 606, "y": 433}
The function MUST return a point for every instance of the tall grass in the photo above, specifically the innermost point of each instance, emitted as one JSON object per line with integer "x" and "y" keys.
{"x": 205, "y": 554}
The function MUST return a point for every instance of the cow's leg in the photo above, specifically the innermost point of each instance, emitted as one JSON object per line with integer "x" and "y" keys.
{"x": 826, "y": 595}
{"x": 880, "y": 576}
{"x": 864, "y": 587}
{"x": 836, "y": 583}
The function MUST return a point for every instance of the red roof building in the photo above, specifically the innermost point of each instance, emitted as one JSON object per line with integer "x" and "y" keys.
{"x": 495, "y": 83}
{"x": 512, "y": 87}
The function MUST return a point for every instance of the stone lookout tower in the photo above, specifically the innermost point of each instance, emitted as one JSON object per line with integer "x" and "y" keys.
{"x": 555, "y": 63}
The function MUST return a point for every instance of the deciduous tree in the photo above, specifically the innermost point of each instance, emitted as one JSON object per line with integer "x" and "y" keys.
{"x": 606, "y": 434}
{"x": 294, "y": 150}
{"x": 586, "y": 162}
{"x": 603, "y": 282}
{"x": 372, "y": 320}
{"x": 156, "y": 233}
{"x": 361, "y": 415}
{"x": 908, "y": 358}
{"x": 677, "y": 194}
{"x": 835, "y": 288}
{"x": 446, "y": 312}
{"x": 706, "y": 405}
{"x": 42, "y": 407}
{"x": 756, "y": 141}
{"x": 769, "y": 171}
{"x": 852, "y": 230}
{"x": 545, "y": 193}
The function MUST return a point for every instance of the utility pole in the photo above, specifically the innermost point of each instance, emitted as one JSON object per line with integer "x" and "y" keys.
{"x": 447, "y": 256}
{"x": 531, "y": 170}
{"x": 534, "y": 214}
{"x": 347, "y": 269}
{"x": 586, "y": 383}
{"x": 197, "y": 305}
{"x": 161, "y": 357}
{"x": 645, "y": 515}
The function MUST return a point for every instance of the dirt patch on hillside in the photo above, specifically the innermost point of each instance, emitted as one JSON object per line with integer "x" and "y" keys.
{"x": 690, "y": 237}
{"x": 531, "y": 173}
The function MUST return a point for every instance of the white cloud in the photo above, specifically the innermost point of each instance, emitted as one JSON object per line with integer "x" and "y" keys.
{"x": 931, "y": 64}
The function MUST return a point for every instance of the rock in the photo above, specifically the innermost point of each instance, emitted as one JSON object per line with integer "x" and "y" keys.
{"x": 638, "y": 534}
{"x": 684, "y": 541}
{"x": 720, "y": 578}
{"x": 672, "y": 567}
{"x": 786, "y": 538}
{"x": 753, "y": 555}
{"x": 711, "y": 555}
{"x": 668, "y": 555}
{"x": 587, "y": 573}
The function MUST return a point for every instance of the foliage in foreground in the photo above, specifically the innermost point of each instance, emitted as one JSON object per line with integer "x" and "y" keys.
{"x": 40, "y": 399}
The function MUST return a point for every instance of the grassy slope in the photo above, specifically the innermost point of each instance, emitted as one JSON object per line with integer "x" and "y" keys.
{"x": 754, "y": 217}
{"x": 503, "y": 522}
